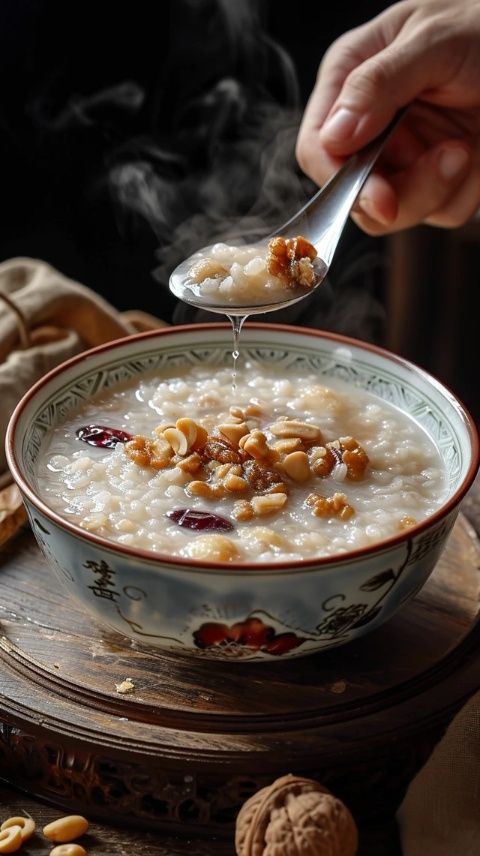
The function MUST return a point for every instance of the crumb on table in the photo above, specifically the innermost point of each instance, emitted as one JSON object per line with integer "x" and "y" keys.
{"x": 126, "y": 686}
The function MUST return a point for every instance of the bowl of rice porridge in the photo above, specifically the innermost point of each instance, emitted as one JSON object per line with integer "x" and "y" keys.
{"x": 290, "y": 509}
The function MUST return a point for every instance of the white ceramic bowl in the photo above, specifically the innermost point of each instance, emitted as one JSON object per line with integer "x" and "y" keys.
{"x": 236, "y": 611}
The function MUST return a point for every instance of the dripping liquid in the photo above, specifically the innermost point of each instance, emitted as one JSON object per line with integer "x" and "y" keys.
{"x": 237, "y": 322}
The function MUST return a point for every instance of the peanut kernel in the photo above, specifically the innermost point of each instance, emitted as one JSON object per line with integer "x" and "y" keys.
{"x": 234, "y": 432}
{"x": 26, "y": 824}
{"x": 295, "y": 428}
{"x": 10, "y": 839}
{"x": 237, "y": 413}
{"x": 214, "y": 548}
{"x": 201, "y": 488}
{"x": 177, "y": 440}
{"x": 289, "y": 444}
{"x": 68, "y": 850}
{"x": 189, "y": 428}
{"x": 255, "y": 444}
{"x": 253, "y": 410}
{"x": 235, "y": 483}
{"x": 268, "y": 503}
{"x": 163, "y": 427}
{"x": 66, "y": 828}
{"x": 266, "y": 537}
{"x": 296, "y": 466}
{"x": 191, "y": 464}
{"x": 200, "y": 440}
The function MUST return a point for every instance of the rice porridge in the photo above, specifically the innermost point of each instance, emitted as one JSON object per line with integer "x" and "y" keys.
{"x": 290, "y": 469}
{"x": 254, "y": 274}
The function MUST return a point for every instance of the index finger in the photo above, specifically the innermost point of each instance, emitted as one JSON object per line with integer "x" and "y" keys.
{"x": 344, "y": 55}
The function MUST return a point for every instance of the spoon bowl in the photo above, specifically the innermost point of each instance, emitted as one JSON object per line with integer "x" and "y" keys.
{"x": 190, "y": 292}
{"x": 321, "y": 222}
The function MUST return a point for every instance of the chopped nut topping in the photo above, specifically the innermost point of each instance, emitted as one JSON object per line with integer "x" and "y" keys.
{"x": 255, "y": 444}
{"x": 222, "y": 451}
{"x": 149, "y": 453}
{"x": 289, "y": 444}
{"x": 331, "y": 506}
{"x": 237, "y": 413}
{"x": 322, "y": 461}
{"x": 286, "y": 428}
{"x": 234, "y": 431}
{"x": 192, "y": 464}
{"x": 177, "y": 439}
{"x": 297, "y": 467}
{"x": 260, "y": 478}
{"x": 205, "y": 489}
{"x": 242, "y": 510}
{"x": 268, "y": 503}
{"x": 235, "y": 483}
{"x": 253, "y": 410}
{"x": 290, "y": 259}
{"x": 239, "y": 459}
{"x": 348, "y": 451}
{"x": 354, "y": 457}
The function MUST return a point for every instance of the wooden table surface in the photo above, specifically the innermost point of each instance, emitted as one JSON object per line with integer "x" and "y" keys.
{"x": 105, "y": 840}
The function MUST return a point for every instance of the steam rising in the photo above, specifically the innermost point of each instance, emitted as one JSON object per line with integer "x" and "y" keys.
{"x": 87, "y": 110}
{"x": 217, "y": 163}
{"x": 232, "y": 176}
{"x": 227, "y": 170}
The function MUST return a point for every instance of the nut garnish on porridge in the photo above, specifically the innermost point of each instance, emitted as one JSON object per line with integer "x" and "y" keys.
{"x": 254, "y": 273}
{"x": 237, "y": 459}
{"x": 291, "y": 469}
{"x": 290, "y": 259}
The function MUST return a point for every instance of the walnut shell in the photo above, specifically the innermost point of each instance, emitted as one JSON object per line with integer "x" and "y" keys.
{"x": 295, "y": 817}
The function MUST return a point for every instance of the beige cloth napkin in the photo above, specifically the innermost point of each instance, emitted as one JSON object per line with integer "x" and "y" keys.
{"x": 45, "y": 318}
{"x": 440, "y": 814}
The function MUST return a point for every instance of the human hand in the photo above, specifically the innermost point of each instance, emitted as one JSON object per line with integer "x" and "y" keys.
{"x": 421, "y": 51}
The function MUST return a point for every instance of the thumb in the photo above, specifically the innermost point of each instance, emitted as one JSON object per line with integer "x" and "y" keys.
{"x": 375, "y": 90}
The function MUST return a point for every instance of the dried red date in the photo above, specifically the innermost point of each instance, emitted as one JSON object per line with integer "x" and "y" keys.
{"x": 191, "y": 518}
{"x": 103, "y": 436}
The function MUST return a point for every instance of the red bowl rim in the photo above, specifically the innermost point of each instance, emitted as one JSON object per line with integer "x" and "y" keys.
{"x": 220, "y": 567}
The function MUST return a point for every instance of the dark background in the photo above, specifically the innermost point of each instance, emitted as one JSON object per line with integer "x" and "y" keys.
{"x": 89, "y": 86}
{"x": 131, "y": 134}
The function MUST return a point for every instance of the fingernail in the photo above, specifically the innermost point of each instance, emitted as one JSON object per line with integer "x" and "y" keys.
{"x": 368, "y": 208}
{"x": 341, "y": 125}
{"x": 452, "y": 161}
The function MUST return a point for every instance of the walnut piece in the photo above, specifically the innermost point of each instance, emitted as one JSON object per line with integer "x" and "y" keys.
{"x": 295, "y": 817}
{"x": 290, "y": 260}
{"x": 330, "y": 506}
{"x": 238, "y": 458}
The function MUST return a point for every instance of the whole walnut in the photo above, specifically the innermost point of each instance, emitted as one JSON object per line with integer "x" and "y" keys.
{"x": 295, "y": 817}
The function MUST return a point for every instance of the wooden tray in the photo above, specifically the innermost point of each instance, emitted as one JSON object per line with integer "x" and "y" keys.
{"x": 196, "y": 737}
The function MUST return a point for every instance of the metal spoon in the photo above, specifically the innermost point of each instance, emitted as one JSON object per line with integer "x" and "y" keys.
{"x": 321, "y": 221}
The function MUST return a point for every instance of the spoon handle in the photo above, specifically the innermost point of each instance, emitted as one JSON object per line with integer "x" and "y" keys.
{"x": 324, "y": 216}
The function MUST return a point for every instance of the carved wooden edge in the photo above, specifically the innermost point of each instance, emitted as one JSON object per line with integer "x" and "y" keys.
{"x": 121, "y": 790}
